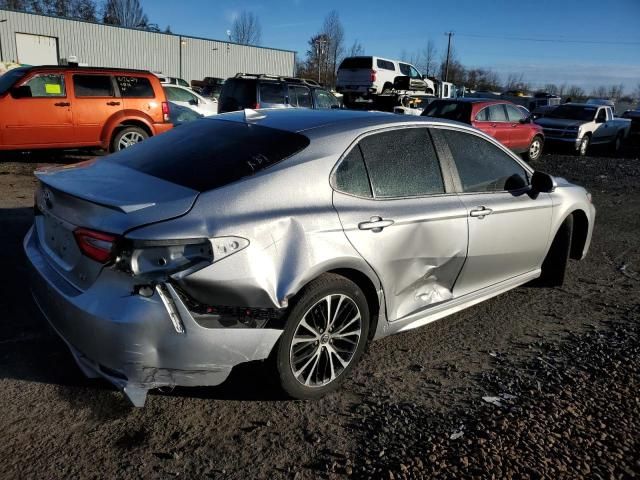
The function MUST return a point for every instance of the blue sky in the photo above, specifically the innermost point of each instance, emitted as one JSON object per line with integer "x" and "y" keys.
{"x": 586, "y": 42}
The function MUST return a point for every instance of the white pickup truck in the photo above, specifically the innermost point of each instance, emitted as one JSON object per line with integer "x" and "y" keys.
{"x": 582, "y": 125}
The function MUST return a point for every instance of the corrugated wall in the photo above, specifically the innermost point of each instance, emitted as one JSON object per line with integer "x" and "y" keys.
{"x": 105, "y": 46}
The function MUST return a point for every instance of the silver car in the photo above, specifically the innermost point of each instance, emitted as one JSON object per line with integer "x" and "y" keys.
{"x": 293, "y": 236}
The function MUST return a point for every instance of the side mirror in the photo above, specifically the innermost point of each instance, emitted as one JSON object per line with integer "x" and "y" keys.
{"x": 525, "y": 119}
{"x": 193, "y": 101}
{"x": 23, "y": 91}
{"x": 542, "y": 182}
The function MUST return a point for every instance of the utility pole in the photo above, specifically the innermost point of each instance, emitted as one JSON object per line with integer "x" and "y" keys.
{"x": 446, "y": 67}
{"x": 320, "y": 42}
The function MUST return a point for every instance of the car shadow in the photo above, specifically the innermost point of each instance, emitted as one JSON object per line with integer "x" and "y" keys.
{"x": 31, "y": 351}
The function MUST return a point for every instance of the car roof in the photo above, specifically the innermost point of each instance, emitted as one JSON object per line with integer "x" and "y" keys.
{"x": 473, "y": 100}
{"x": 302, "y": 119}
{"x": 88, "y": 69}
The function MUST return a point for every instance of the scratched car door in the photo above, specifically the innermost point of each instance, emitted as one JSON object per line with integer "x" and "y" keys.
{"x": 400, "y": 213}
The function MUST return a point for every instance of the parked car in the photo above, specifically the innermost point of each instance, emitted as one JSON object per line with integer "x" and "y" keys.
{"x": 267, "y": 91}
{"x": 172, "y": 81}
{"x": 501, "y": 119}
{"x": 180, "y": 114}
{"x": 190, "y": 99}
{"x": 289, "y": 234}
{"x": 602, "y": 101}
{"x": 370, "y": 76}
{"x": 634, "y": 116}
{"x": 543, "y": 111}
{"x": 72, "y": 107}
{"x": 199, "y": 85}
{"x": 582, "y": 125}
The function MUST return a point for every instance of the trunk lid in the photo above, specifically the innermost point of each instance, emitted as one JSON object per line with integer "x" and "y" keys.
{"x": 102, "y": 196}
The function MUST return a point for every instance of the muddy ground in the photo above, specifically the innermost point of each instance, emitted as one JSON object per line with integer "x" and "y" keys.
{"x": 559, "y": 368}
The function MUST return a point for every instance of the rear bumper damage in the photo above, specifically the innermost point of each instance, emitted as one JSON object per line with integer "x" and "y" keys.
{"x": 139, "y": 342}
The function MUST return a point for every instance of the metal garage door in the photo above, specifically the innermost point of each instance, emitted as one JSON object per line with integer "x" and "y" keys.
{"x": 37, "y": 49}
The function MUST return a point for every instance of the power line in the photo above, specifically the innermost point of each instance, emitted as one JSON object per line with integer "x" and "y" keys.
{"x": 549, "y": 40}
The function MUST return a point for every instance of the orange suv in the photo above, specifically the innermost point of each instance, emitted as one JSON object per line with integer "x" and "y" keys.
{"x": 72, "y": 107}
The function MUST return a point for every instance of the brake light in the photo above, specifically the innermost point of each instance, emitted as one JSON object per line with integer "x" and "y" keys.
{"x": 256, "y": 106}
{"x": 373, "y": 75}
{"x": 96, "y": 245}
{"x": 165, "y": 111}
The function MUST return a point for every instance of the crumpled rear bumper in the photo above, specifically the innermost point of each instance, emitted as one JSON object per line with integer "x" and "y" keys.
{"x": 131, "y": 340}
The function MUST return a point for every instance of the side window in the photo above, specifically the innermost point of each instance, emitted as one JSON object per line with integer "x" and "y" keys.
{"x": 482, "y": 166}
{"x": 272, "y": 92}
{"x": 92, "y": 86}
{"x": 602, "y": 115}
{"x": 299, "y": 96}
{"x": 402, "y": 163}
{"x": 483, "y": 115}
{"x": 351, "y": 175}
{"x": 45, "y": 85}
{"x": 497, "y": 113}
{"x": 415, "y": 73}
{"x": 385, "y": 65}
{"x": 134, "y": 87}
{"x": 179, "y": 95}
{"x": 405, "y": 69}
{"x": 324, "y": 99}
{"x": 514, "y": 113}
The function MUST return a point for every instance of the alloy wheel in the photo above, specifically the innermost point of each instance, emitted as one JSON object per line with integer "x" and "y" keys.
{"x": 325, "y": 340}
{"x": 129, "y": 139}
{"x": 534, "y": 149}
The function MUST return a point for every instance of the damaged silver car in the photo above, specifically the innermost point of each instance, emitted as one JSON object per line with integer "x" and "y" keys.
{"x": 292, "y": 236}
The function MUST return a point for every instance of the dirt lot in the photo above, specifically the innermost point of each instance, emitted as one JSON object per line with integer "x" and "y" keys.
{"x": 560, "y": 370}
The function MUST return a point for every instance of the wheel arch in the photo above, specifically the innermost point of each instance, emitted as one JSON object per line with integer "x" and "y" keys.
{"x": 580, "y": 233}
{"x": 121, "y": 120}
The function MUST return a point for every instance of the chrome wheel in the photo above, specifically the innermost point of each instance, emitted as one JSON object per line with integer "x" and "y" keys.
{"x": 535, "y": 149}
{"x": 129, "y": 138}
{"x": 584, "y": 145}
{"x": 325, "y": 340}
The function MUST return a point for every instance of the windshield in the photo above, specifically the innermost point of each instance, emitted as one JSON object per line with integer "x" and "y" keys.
{"x": 459, "y": 111}
{"x": 573, "y": 112}
{"x": 8, "y": 79}
{"x": 357, "y": 62}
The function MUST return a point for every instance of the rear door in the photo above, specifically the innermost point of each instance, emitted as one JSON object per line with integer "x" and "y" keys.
{"x": 272, "y": 94}
{"x": 94, "y": 103}
{"x": 300, "y": 96}
{"x": 398, "y": 211}
{"x": 500, "y": 124}
{"x": 43, "y": 119}
{"x": 137, "y": 93}
{"x": 508, "y": 225}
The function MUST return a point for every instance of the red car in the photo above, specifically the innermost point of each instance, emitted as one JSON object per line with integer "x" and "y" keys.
{"x": 501, "y": 119}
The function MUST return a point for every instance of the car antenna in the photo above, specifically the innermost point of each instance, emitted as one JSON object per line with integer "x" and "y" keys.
{"x": 250, "y": 115}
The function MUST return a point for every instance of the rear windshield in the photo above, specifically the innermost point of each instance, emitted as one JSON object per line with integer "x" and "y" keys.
{"x": 459, "y": 111}
{"x": 357, "y": 62}
{"x": 574, "y": 112}
{"x": 210, "y": 153}
{"x": 237, "y": 94}
{"x": 12, "y": 76}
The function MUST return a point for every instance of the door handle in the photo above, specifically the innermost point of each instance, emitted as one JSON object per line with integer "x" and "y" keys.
{"x": 493, "y": 124}
{"x": 375, "y": 224}
{"x": 480, "y": 212}
{"x": 62, "y": 104}
{"x": 113, "y": 104}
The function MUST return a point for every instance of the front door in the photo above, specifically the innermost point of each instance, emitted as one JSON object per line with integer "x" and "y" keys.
{"x": 43, "y": 119}
{"x": 404, "y": 222}
{"x": 509, "y": 226}
{"x": 95, "y": 103}
{"x": 520, "y": 132}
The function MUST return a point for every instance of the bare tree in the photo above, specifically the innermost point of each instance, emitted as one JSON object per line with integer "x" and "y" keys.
{"x": 515, "y": 81}
{"x": 428, "y": 61}
{"x": 19, "y": 5}
{"x": 575, "y": 92}
{"x": 85, "y": 10}
{"x": 616, "y": 92}
{"x": 356, "y": 49}
{"x": 124, "y": 13}
{"x": 599, "y": 92}
{"x": 246, "y": 29}
{"x": 334, "y": 32}
{"x": 637, "y": 92}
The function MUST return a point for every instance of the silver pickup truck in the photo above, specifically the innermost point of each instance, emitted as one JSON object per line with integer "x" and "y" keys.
{"x": 582, "y": 125}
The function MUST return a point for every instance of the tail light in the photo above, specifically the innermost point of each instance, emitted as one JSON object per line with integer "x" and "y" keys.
{"x": 165, "y": 111}
{"x": 373, "y": 75}
{"x": 96, "y": 245}
{"x": 256, "y": 106}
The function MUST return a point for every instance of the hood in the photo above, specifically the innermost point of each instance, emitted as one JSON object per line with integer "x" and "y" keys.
{"x": 558, "y": 122}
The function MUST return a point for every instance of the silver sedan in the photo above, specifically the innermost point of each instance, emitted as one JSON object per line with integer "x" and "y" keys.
{"x": 289, "y": 236}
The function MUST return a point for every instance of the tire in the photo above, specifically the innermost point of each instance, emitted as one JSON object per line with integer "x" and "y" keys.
{"x": 387, "y": 88}
{"x": 617, "y": 143}
{"x": 127, "y": 137}
{"x": 554, "y": 267}
{"x": 429, "y": 91}
{"x": 535, "y": 149}
{"x": 583, "y": 148}
{"x": 307, "y": 360}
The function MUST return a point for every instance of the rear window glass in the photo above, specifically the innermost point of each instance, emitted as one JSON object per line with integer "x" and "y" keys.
{"x": 210, "y": 153}
{"x": 351, "y": 175}
{"x": 386, "y": 65}
{"x": 134, "y": 87}
{"x": 93, "y": 86}
{"x": 357, "y": 62}
{"x": 272, "y": 93}
{"x": 459, "y": 111}
{"x": 237, "y": 94}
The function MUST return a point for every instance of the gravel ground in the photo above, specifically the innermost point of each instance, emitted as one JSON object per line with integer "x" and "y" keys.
{"x": 536, "y": 383}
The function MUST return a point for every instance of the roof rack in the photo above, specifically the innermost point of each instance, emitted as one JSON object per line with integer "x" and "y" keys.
{"x": 305, "y": 81}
